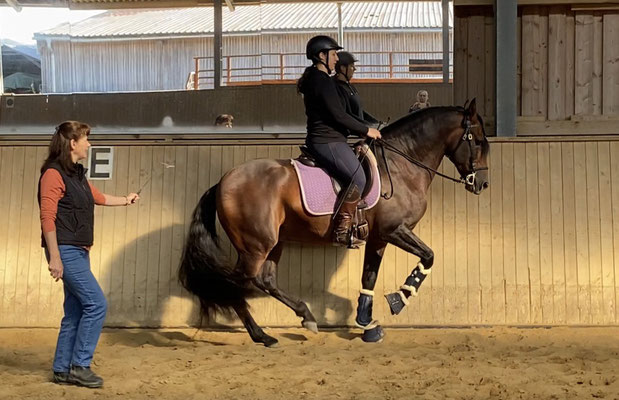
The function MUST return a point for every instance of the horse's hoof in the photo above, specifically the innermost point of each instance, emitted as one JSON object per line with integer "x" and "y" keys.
{"x": 270, "y": 342}
{"x": 311, "y": 326}
{"x": 373, "y": 333}
{"x": 396, "y": 302}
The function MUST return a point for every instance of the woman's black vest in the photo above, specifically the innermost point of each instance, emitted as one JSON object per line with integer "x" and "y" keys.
{"x": 76, "y": 210}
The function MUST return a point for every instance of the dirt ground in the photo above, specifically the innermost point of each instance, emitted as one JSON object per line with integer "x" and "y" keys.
{"x": 476, "y": 363}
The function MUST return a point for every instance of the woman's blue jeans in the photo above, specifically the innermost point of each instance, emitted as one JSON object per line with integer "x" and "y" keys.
{"x": 84, "y": 311}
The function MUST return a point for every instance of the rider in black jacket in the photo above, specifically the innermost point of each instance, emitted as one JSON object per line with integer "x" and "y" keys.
{"x": 328, "y": 124}
{"x": 344, "y": 71}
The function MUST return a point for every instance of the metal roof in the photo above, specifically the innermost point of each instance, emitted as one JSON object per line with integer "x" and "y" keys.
{"x": 246, "y": 19}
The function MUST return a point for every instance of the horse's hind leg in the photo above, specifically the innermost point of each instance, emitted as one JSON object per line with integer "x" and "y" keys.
{"x": 267, "y": 281}
{"x": 248, "y": 266}
{"x": 256, "y": 333}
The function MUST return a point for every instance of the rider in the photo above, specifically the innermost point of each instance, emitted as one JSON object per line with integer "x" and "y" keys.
{"x": 327, "y": 127}
{"x": 344, "y": 70}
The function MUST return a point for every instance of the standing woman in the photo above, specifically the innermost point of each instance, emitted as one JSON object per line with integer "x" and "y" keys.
{"x": 328, "y": 124}
{"x": 67, "y": 202}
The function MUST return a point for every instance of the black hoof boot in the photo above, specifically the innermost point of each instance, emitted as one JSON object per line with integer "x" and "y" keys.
{"x": 373, "y": 333}
{"x": 397, "y": 301}
{"x": 364, "y": 308}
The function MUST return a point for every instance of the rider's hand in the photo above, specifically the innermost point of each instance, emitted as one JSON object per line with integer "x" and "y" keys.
{"x": 374, "y": 133}
{"x": 55, "y": 268}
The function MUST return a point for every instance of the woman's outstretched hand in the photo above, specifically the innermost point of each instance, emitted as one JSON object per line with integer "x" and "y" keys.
{"x": 132, "y": 198}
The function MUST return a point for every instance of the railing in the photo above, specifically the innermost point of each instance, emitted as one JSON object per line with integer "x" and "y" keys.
{"x": 413, "y": 66}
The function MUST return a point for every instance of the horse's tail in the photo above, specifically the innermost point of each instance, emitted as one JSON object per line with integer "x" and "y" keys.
{"x": 204, "y": 270}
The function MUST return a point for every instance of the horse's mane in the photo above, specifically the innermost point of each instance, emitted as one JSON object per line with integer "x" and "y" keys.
{"x": 416, "y": 118}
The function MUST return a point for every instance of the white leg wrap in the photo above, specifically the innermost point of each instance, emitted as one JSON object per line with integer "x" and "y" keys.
{"x": 423, "y": 270}
{"x": 411, "y": 289}
{"x": 404, "y": 299}
{"x": 367, "y": 292}
{"x": 371, "y": 325}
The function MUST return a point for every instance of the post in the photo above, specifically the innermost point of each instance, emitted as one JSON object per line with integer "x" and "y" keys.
{"x": 445, "y": 4}
{"x": 1, "y": 74}
{"x": 390, "y": 65}
{"x": 506, "y": 17}
{"x": 217, "y": 40}
{"x": 196, "y": 79}
{"x": 229, "y": 69}
{"x": 340, "y": 26}
{"x": 281, "y": 66}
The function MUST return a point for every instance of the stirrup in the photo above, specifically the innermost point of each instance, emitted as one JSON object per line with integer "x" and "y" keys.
{"x": 355, "y": 242}
{"x": 348, "y": 239}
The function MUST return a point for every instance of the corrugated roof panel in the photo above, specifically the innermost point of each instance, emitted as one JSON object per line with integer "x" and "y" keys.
{"x": 267, "y": 17}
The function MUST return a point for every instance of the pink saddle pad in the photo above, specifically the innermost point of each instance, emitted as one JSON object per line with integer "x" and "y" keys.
{"x": 317, "y": 190}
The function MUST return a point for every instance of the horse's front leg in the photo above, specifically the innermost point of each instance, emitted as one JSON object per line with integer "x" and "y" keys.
{"x": 405, "y": 239}
{"x": 374, "y": 252}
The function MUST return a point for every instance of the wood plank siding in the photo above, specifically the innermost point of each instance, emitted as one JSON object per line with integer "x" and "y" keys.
{"x": 541, "y": 246}
{"x": 568, "y": 73}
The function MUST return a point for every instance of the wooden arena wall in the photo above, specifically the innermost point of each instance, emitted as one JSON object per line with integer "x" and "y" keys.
{"x": 541, "y": 246}
{"x": 568, "y": 68}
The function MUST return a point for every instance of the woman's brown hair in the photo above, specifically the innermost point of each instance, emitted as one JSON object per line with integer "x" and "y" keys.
{"x": 60, "y": 145}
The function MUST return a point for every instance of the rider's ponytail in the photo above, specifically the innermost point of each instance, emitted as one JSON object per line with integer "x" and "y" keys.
{"x": 302, "y": 79}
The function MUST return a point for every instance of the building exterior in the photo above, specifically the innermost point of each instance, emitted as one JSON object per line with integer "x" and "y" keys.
{"x": 159, "y": 49}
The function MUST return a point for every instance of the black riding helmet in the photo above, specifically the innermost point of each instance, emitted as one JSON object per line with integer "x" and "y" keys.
{"x": 344, "y": 59}
{"x": 320, "y": 43}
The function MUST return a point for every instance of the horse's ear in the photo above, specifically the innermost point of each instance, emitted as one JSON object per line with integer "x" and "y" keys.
{"x": 472, "y": 110}
{"x": 466, "y": 103}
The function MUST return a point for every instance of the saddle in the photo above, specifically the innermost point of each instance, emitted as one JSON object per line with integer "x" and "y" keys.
{"x": 361, "y": 150}
{"x": 320, "y": 192}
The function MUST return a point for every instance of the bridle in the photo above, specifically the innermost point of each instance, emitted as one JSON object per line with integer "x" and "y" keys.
{"x": 469, "y": 180}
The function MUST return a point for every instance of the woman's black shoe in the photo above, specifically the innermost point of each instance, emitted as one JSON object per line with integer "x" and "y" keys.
{"x": 83, "y": 376}
{"x": 61, "y": 378}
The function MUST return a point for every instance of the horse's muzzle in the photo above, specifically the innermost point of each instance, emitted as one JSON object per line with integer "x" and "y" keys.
{"x": 476, "y": 182}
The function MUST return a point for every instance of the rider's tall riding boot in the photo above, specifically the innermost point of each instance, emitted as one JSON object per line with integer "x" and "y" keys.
{"x": 343, "y": 220}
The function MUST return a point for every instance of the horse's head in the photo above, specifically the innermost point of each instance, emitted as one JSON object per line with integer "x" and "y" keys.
{"x": 468, "y": 150}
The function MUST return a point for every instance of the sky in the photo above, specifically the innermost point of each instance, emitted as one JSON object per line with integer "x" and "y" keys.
{"x": 21, "y": 26}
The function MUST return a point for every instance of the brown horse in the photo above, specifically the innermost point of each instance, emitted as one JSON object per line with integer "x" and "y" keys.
{"x": 259, "y": 207}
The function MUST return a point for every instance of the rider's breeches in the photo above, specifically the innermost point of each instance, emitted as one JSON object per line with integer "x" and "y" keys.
{"x": 341, "y": 163}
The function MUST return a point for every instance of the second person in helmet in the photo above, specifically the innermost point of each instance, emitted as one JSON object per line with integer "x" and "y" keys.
{"x": 344, "y": 70}
{"x": 328, "y": 124}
